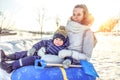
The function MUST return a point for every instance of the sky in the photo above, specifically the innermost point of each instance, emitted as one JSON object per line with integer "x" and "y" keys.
{"x": 24, "y": 12}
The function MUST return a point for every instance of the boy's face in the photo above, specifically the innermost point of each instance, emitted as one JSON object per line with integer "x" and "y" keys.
{"x": 58, "y": 42}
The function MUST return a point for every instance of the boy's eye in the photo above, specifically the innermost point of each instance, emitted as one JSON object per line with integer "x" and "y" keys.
{"x": 61, "y": 40}
{"x": 56, "y": 38}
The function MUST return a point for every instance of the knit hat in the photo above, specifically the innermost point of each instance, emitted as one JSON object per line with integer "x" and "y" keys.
{"x": 60, "y": 33}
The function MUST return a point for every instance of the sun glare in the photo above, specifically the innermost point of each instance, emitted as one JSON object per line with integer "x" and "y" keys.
{"x": 26, "y": 15}
{"x": 102, "y": 11}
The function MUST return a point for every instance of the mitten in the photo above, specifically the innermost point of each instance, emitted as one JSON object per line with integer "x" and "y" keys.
{"x": 66, "y": 63}
{"x": 78, "y": 56}
{"x": 31, "y": 52}
{"x": 65, "y": 53}
{"x": 41, "y": 52}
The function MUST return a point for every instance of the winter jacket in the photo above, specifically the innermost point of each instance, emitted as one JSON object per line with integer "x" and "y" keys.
{"x": 50, "y": 47}
{"x": 81, "y": 40}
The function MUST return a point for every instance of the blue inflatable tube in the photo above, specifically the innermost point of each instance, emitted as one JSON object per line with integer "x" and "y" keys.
{"x": 51, "y": 73}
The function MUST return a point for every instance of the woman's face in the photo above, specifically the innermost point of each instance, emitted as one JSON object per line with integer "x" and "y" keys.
{"x": 78, "y": 15}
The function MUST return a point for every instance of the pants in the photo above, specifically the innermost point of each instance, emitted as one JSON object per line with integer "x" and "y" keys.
{"x": 21, "y": 59}
{"x": 26, "y": 61}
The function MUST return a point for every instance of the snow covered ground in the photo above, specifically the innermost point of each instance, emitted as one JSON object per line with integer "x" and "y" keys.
{"x": 105, "y": 58}
{"x": 11, "y": 44}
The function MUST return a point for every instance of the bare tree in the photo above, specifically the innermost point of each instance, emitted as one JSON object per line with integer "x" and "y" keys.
{"x": 41, "y": 19}
{"x": 5, "y": 22}
{"x": 57, "y": 21}
{"x": 1, "y": 21}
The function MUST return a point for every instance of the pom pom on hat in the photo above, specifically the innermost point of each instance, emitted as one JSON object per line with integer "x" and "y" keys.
{"x": 60, "y": 33}
{"x": 61, "y": 30}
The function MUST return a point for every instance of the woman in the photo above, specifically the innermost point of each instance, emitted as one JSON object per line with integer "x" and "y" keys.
{"x": 81, "y": 38}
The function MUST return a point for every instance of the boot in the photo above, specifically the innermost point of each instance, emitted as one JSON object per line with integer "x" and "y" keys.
{"x": 11, "y": 57}
{"x": 2, "y": 56}
{"x": 6, "y": 57}
{"x": 6, "y": 66}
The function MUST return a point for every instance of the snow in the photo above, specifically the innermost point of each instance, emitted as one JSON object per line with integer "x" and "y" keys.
{"x": 105, "y": 58}
{"x": 11, "y": 44}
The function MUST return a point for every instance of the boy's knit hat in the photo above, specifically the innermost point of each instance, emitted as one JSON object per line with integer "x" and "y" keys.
{"x": 60, "y": 33}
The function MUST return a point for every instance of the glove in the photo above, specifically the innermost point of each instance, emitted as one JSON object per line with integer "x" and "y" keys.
{"x": 41, "y": 51}
{"x": 31, "y": 52}
{"x": 66, "y": 63}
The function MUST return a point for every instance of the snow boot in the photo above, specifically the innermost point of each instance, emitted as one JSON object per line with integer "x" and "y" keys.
{"x": 17, "y": 55}
{"x": 6, "y": 66}
{"x": 11, "y": 57}
{"x": 6, "y": 57}
{"x": 2, "y": 56}
{"x": 14, "y": 56}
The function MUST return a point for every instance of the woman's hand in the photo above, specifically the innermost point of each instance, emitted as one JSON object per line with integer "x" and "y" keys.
{"x": 65, "y": 53}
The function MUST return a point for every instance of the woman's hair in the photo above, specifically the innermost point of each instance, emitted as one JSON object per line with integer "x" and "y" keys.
{"x": 88, "y": 18}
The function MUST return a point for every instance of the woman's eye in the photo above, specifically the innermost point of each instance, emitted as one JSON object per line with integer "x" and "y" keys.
{"x": 78, "y": 14}
{"x": 73, "y": 14}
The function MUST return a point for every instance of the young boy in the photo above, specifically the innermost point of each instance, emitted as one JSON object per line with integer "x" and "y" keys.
{"x": 52, "y": 46}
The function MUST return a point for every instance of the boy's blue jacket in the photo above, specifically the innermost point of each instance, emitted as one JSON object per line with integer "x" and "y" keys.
{"x": 50, "y": 47}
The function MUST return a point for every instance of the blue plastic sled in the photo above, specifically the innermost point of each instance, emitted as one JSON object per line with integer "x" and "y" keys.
{"x": 86, "y": 72}
{"x": 51, "y": 73}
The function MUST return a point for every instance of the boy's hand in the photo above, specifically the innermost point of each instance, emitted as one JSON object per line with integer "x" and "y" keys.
{"x": 41, "y": 51}
{"x": 31, "y": 52}
{"x": 66, "y": 63}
